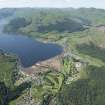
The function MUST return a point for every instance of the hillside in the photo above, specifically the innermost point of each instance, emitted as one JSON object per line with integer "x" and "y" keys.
{"x": 42, "y": 21}
{"x": 8, "y": 72}
{"x": 81, "y": 32}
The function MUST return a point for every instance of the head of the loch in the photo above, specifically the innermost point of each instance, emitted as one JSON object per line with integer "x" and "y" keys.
{"x": 29, "y": 51}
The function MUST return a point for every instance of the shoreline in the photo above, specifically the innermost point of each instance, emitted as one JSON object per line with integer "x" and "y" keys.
{"x": 34, "y": 68}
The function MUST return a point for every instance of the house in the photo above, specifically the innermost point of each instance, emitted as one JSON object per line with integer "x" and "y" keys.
{"x": 78, "y": 65}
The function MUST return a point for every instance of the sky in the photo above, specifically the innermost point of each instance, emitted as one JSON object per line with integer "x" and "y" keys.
{"x": 52, "y": 3}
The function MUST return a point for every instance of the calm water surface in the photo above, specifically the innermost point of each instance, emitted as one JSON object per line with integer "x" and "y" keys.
{"x": 28, "y": 50}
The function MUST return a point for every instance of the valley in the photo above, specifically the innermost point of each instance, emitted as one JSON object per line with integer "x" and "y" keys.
{"x": 74, "y": 76}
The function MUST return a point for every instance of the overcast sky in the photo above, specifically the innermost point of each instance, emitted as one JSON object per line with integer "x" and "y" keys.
{"x": 53, "y": 3}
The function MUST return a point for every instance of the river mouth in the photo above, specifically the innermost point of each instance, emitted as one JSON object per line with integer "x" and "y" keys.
{"x": 28, "y": 50}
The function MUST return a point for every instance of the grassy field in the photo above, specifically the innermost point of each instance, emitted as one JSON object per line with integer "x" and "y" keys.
{"x": 87, "y": 44}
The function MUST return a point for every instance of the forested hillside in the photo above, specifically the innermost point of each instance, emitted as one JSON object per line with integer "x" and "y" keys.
{"x": 36, "y": 22}
{"x": 81, "y": 32}
{"x": 8, "y": 72}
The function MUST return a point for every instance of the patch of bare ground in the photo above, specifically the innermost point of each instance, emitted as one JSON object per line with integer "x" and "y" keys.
{"x": 101, "y": 28}
{"x": 102, "y": 46}
{"x": 43, "y": 66}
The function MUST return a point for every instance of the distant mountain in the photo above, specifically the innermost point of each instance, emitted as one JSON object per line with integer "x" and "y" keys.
{"x": 31, "y": 21}
{"x": 6, "y": 12}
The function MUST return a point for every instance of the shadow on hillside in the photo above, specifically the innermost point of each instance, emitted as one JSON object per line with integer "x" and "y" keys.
{"x": 61, "y": 26}
{"x": 92, "y": 50}
{"x": 96, "y": 73}
{"x": 7, "y": 95}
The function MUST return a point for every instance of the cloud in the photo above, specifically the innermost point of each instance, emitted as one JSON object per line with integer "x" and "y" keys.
{"x": 52, "y": 3}
{"x": 33, "y": 3}
{"x": 86, "y": 3}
